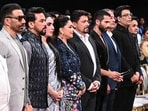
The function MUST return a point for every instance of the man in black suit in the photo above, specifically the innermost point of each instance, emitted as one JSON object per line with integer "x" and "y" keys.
{"x": 125, "y": 94}
{"x": 90, "y": 66}
{"x": 109, "y": 61}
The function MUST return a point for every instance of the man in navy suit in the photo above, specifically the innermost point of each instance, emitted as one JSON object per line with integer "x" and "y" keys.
{"x": 114, "y": 61}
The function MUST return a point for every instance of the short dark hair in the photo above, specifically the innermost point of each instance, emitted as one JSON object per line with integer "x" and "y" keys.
{"x": 30, "y": 13}
{"x": 7, "y": 10}
{"x": 99, "y": 15}
{"x": 135, "y": 18}
{"x": 119, "y": 9}
{"x": 76, "y": 14}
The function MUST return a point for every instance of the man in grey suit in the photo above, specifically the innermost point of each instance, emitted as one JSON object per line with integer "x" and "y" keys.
{"x": 13, "y": 22}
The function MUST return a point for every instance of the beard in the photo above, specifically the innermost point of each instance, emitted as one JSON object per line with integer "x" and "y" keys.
{"x": 42, "y": 32}
{"x": 102, "y": 29}
{"x": 86, "y": 30}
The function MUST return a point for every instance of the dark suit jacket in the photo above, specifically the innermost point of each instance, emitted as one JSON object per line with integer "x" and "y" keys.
{"x": 102, "y": 52}
{"x": 114, "y": 58}
{"x": 128, "y": 50}
{"x": 86, "y": 67}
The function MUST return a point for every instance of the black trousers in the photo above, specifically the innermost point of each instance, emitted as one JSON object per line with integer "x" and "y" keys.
{"x": 88, "y": 101}
{"x": 124, "y": 98}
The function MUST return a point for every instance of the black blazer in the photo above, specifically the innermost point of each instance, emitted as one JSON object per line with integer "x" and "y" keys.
{"x": 86, "y": 67}
{"x": 130, "y": 61}
{"x": 102, "y": 51}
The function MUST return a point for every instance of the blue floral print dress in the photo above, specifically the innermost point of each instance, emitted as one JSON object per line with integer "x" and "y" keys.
{"x": 70, "y": 64}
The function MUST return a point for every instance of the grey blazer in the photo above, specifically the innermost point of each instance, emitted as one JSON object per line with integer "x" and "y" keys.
{"x": 17, "y": 71}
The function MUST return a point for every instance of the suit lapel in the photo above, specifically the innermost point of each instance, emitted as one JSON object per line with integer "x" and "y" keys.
{"x": 79, "y": 41}
{"x": 109, "y": 41}
{"x": 15, "y": 46}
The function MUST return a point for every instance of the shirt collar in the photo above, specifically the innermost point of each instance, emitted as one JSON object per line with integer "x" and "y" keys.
{"x": 80, "y": 35}
{"x": 109, "y": 33}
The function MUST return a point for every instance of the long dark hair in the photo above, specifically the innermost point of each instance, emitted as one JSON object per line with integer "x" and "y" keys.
{"x": 57, "y": 58}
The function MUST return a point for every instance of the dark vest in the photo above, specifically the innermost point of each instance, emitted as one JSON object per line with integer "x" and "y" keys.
{"x": 38, "y": 71}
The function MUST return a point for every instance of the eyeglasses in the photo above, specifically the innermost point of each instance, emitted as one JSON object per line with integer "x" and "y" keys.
{"x": 19, "y": 18}
{"x": 126, "y": 15}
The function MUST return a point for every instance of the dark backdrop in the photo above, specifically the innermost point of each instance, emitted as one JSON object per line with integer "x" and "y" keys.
{"x": 138, "y": 6}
